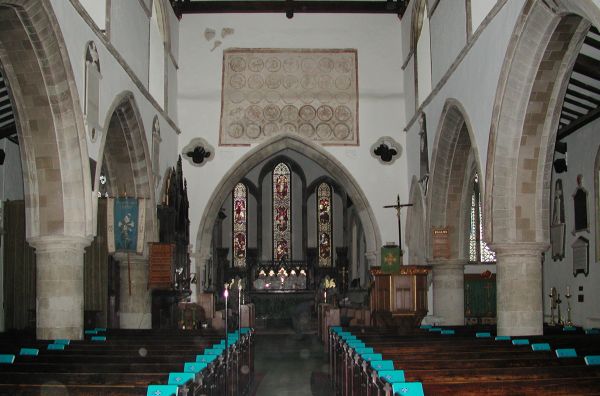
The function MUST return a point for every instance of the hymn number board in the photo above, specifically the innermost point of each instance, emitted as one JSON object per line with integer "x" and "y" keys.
{"x": 162, "y": 257}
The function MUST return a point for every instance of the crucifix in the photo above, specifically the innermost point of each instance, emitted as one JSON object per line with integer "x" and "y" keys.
{"x": 399, "y": 206}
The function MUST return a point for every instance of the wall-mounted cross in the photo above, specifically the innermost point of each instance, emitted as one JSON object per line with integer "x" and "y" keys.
{"x": 399, "y": 206}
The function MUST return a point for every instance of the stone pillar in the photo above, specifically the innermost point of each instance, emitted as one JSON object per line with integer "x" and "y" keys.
{"x": 59, "y": 286}
{"x": 135, "y": 309}
{"x": 449, "y": 290}
{"x": 519, "y": 304}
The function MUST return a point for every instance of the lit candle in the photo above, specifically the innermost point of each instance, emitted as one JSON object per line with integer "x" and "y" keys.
{"x": 568, "y": 290}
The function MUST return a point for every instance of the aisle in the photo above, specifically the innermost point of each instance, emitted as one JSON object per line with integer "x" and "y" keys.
{"x": 285, "y": 364}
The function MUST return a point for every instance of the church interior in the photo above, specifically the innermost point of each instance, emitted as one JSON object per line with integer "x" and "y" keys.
{"x": 299, "y": 197}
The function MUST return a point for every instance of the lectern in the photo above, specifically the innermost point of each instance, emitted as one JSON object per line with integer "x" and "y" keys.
{"x": 399, "y": 299}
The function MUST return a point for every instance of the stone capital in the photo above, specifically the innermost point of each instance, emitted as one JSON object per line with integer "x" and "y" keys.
{"x": 371, "y": 257}
{"x": 59, "y": 243}
{"x": 504, "y": 249}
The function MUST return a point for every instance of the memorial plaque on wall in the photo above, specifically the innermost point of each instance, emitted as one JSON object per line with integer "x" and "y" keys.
{"x": 581, "y": 256}
{"x": 440, "y": 242}
{"x": 309, "y": 92}
{"x": 162, "y": 257}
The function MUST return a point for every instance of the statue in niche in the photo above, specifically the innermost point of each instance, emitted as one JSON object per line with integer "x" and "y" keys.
{"x": 424, "y": 153}
{"x": 557, "y": 226}
{"x": 580, "y": 206}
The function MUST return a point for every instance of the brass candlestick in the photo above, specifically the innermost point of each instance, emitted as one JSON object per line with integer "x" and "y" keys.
{"x": 558, "y": 302}
{"x": 552, "y": 296}
{"x": 568, "y": 296}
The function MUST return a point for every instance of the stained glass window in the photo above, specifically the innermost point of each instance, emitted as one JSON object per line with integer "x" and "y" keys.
{"x": 324, "y": 225}
{"x": 282, "y": 212}
{"x": 479, "y": 251}
{"x": 240, "y": 224}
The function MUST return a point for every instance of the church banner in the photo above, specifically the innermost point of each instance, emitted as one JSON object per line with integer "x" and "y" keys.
{"x": 390, "y": 259}
{"x": 125, "y": 224}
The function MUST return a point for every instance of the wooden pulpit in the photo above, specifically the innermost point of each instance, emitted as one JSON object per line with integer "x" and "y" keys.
{"x": 399, "y": 299}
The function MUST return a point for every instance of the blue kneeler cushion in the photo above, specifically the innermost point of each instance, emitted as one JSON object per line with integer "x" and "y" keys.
{"x": 483, "y": 334}
{"x": 56, "y": 347}
{"x": 520, "y": 341}
{"x": 566, "y": 353}
{"x": 408, "y": 388}
{"x": 193, "y": 367}
{"x": 392, "y": 376}
{"x": 7, "y": 359}
{"x": 29, "y": 352}
{"x": 544, "y": 346}
{"x": 180, "y": 378}
{"x": 502, "y": 338}
{"x": 205, "y": 358}
{"x": 382, "y": 364}
{"x": 162, "y": 390}
{"x": 592, "y": 360}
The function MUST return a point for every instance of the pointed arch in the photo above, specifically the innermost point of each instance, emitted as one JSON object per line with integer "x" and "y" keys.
{"x": 416, "y": 225}
{"x": 454, "y": 144}
{"x": 267, "y": 150}
{"x": 125, "y": 156}
{"x": 532, "y": 84}
{"x": 49, "y": 121}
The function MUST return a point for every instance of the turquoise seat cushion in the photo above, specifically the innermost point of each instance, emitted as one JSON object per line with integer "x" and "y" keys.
{"x": 520, "y": 341}
{"x": 382, "y": 364}
{"x": 543, "y": 346}
{"x": 425, "y": 326}
{"x": 62, "y": 341}
{"x": 483, "y": 334}
{"x": 447, "y": 332}
{"x": 212, "y": 351}
{"x": 98, "y": 338}
{"x": 56, "y": 347}
{"x": 220, "y": 347}
{"x": 335, "y": 329}
{"x": 371, "y": 356}
{"x": 245, "y": 330}
{"x": 357, "y": 345}
{"x": 566, "y": 353}
{"x": 502, "y": 338}
{"x": 205, "y": 358}
{"x": 569, "y": 328}
{"x": 180, "y": 378}
{"x": 592, "y": 360}
{"x": 193, "y": 367}
{"x": 349, "y": 337}
{"x": 392, "y": 376}
{"x": 435, "y": 329}
{"x": 162, "y": 390}
{"x": 92, "y": 332}
{"x": 7, "y": 359}
{"x": 99, "y": 329}
{"x": 29, "y": 352}
{"x": 408, "y": 388}
{"x": 363, "y": 350}
{"x": 592, "y": 331}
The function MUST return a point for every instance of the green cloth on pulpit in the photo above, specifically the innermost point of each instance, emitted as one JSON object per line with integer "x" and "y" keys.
{"x": 390, "y": 259}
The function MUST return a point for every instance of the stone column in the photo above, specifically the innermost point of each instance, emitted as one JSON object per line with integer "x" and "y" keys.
{"x": 449, "y": 291}
{"x": 135, "y": 309}
{"x": 59, "y": 286}
{"x": 519, "y": 304}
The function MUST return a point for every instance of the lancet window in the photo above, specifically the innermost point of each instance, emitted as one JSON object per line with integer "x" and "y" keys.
{"x": 240, "y": 224}
{"x": 479, "y": 251}
{"x": 324, "y": 224}
{"x": 282, "y": 212}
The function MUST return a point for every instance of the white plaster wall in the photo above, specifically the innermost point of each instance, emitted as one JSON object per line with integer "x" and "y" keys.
{"x": 381, "y": 94}
{"x": 448, "y": 26}
{"x": 582, "y": 148}
{"x": 129, "y": 33}
{"x": 473, "y": 84}
{"x": 97, "y": 10}
{"x": 174, "y": 32}
{"x": 156, "y": 72}
{"x": 115, "y": 80}
{"x": 172, "y": 87}
{"x": 479, "y": 10}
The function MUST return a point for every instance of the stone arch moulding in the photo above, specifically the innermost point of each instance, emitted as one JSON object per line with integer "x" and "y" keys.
{"x": 267, "y": 150}
{"x": 416, "y": 224}
{"x": 55, "y": 169}
{"x": 125, "y": 107}
{"x": 517, "y": 198}
{"x": 449, "y": 140}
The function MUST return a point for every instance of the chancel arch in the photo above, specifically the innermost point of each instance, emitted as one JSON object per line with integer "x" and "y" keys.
{"x": 268, "y": 152}
{"x": 54, "y": 160}
{"x": 532, "y": 85}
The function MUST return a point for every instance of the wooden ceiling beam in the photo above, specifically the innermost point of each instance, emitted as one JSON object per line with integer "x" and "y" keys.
{"x": 327, "y": 7}
{"x": 573, "y": 112}
{"x": 585, "y": 86}
{"x": 567, "y": 117}
{"x": 579, "y": 104}
{"x": 579, "y": 123}
{"x": 587, "y": 66}
{"x": 583, "y": 96}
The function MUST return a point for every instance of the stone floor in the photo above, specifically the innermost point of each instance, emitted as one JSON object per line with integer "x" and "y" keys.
{"x": 290, "y": 364}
